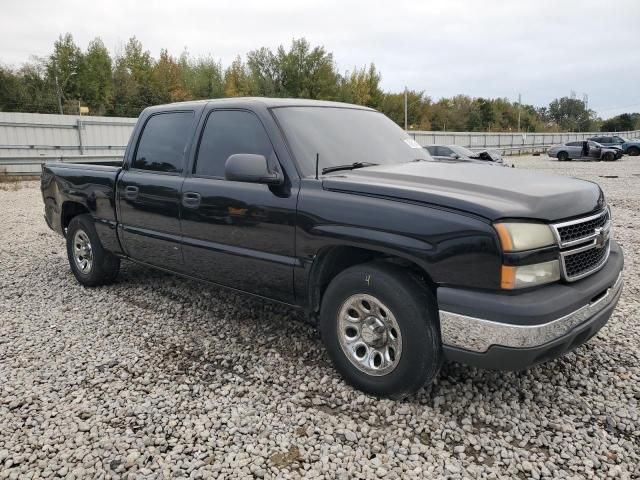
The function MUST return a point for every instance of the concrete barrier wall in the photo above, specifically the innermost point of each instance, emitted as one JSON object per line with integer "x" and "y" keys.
{"x": 508, "y": 143}
{"x": 30, "y": 139}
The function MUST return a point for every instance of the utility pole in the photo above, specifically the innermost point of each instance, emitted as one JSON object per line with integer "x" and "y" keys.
{"x": 58, "y": 93}
{"x": 519, "y": 103}
{"x": 59, "y": 87}
{"x": 406, "y": 128}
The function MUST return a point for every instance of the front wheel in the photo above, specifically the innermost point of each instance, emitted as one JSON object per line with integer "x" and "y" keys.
{"x": 380, "y": 328}
{"x": 633, "y": 151}
{"x": 609, "y": 157}
{"x": 91, "y": 264}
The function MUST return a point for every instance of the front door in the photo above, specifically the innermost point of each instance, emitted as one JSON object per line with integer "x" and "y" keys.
{"x": 149, "y": 191}
{"x": 237, "y": 234}
{"x": 595, "y": 151}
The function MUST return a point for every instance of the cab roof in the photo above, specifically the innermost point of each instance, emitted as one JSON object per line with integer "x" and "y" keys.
{"x": 263, "y": 102}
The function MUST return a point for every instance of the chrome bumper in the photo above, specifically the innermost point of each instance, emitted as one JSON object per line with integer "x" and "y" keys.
{"x": 477, "y": 334}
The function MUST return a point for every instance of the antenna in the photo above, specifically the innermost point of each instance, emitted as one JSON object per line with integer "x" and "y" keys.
{"x": 317, "y": 163}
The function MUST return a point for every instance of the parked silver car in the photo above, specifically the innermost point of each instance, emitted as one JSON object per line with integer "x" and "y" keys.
{"x": 583, "y": 150}
{"x": 456, "y": 152}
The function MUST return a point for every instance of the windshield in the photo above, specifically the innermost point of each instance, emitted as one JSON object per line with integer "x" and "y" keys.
{"x": 462, "y": 151}
{"x": 342, "y": 136}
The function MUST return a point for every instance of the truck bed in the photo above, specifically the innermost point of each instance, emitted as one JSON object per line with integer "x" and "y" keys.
{"x": 78, "y": 186}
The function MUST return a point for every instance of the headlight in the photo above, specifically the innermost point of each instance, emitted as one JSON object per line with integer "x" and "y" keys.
{"x": 517, "y": 236}
{"x": 525, "y": 276}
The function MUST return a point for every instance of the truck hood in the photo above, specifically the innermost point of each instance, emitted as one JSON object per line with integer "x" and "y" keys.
{"x": 493, "y": 193}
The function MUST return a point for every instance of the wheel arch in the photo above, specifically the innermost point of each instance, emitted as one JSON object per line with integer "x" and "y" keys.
{"x": 332, "y": 260}
{"x": 631, "y": 149}
{"x": 69, "y": 210}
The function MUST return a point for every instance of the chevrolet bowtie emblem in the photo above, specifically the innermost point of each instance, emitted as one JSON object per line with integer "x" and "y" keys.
{"x": 601, "y": 237}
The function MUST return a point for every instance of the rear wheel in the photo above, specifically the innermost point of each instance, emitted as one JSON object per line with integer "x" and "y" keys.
{"x": 609, "y": 157}
{"x": 91, "y": 264}
{"x": 380, "y": 328}
{"x": 563, "y": 156}
{"x": 633, "y": 151}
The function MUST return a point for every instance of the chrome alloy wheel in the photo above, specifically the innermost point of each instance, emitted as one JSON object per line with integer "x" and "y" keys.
{"x": 82, "y": 253}
{"x": 369, "y": 335}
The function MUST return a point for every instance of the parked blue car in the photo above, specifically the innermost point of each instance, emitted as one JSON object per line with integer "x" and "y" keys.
{"x": 630, "y": 147}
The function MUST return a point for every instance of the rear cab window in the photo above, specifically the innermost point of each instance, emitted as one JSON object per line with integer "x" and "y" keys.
{"x": 162, "y": 144}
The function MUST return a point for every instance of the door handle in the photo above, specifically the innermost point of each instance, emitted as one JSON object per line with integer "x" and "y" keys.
{"x": 191, "y": 200}
{"x": 131, "y": 192}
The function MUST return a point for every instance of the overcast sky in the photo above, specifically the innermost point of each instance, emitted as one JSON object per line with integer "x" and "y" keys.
{"x": 539, "y": 48}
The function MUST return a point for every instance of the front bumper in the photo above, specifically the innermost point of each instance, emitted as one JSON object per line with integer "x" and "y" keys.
{"x": 514, "y": 331}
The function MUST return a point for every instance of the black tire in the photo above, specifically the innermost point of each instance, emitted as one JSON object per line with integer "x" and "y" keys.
{"x": 102, "y": 267}
{"x": 609, "y": 157}
{"x": 413, "y": 307}
{"x": 563, "y": 156}
{"x": 633, "y": 151}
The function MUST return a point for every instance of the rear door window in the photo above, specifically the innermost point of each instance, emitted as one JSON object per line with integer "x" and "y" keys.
{"x": 163, "y": 142}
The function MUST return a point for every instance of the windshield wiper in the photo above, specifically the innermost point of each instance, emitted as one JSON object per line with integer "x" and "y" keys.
{"x": 349, "y": 166}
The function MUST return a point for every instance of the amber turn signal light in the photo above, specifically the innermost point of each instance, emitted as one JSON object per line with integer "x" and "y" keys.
{"x": 508, "y": 277}
{"x": 505, "y": 237}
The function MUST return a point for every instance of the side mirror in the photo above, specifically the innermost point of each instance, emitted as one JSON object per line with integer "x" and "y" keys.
{"x": 250, "y": 168}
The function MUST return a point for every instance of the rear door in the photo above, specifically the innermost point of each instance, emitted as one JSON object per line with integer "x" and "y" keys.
{"x": 574, "y": 149}
{"x": 238, "y": 234}
{"x": 149, "y": 189}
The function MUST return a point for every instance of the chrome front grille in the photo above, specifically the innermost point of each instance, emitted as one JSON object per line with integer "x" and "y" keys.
{"x": 579, "y": 264}
{"x": 583, "y": 229}
{"x": 584, "y": 245}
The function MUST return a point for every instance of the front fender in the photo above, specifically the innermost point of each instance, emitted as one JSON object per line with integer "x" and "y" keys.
{"x": 451, "y": 247}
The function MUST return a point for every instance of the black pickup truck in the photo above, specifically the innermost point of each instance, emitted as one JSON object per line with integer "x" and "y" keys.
{"x": 402, "y": 261}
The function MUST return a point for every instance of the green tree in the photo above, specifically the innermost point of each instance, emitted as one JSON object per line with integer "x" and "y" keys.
{"x": 236, "y": 79}
{"x": 10, "y": 90}
{"x": 621, "y": 123}
{"x": 570, "y": 114}
{"x": 132, "y": 80}
{"x": 65, "y": 67}
{"x": 418, "y": 109}
{"x": 95, "y": 79}
{"x": 362, "y": 87}
{"x": 203, "y": 78}
{"x": 265, "y": 75}
{"x": 168, "y": 80}
{"x": 306, "y": 72}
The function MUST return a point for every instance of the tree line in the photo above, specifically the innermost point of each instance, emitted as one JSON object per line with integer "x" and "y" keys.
{"x": 124, "y": 83}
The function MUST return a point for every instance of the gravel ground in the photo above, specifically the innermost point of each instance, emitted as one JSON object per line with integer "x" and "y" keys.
{"x": 161, "y": 377}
